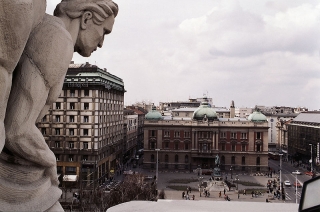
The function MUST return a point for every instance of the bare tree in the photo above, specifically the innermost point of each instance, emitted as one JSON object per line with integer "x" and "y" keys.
{"x": 134, "y": 187}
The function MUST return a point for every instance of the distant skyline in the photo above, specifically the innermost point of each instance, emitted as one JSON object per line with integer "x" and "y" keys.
{"x": 255, "y": 53}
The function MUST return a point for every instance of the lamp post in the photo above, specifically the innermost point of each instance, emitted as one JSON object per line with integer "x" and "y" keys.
{"x": 296, "y": 189}
{"x": 237, "y": 179}
{"x": 311, "y": 158}
{"x": 157, "y": 165}
{"x": 280, "y": 173}
{"x": 231, "y": 171}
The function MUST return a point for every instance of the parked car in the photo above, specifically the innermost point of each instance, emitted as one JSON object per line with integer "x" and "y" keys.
{"x": 296, "y": 172}
{"x": 287, "y": 183}
{"x": 298, "y": 184}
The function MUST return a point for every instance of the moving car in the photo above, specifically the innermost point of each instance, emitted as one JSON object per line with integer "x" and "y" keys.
{"x": 287, "y": 183}
{"x": 296, "y": 172}
{"x": 298, "y": 184}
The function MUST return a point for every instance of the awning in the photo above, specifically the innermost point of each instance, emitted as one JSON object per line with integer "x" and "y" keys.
{"x": 70, "y": 178}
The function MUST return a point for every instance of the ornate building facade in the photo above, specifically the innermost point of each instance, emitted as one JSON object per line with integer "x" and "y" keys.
{"x": 84, "y": 128}
{"x": 189, "y": 143}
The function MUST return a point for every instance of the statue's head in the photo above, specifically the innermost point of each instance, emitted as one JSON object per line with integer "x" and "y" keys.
{"x": 96, "y": 20}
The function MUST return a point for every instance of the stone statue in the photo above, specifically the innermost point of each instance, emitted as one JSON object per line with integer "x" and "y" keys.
{"x": 36, "y": 49}
{"x": 217, "y": 161}
{"x": 216, "y": 170}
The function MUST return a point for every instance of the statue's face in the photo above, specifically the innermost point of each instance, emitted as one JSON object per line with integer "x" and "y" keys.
{"x": 92, "y": 36}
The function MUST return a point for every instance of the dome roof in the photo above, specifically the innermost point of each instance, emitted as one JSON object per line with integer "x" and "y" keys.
{"x": 153, "y": 114}
{"x": 257, "y": 116}
{"x": 205, "y": 111}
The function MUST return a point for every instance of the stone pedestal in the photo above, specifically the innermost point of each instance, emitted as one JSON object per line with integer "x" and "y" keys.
{"x": 25, "y": 187}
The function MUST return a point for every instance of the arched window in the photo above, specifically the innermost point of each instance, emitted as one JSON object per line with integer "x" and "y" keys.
{"x": 243, "y": 160}
{"x": 166, "y": 158}
{"x": 176, "y": 158}
{"x": 233, "y": 160}
{"x": 186, "y": 159}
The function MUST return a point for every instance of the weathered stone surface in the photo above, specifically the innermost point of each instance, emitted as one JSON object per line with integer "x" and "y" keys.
{"x": 35, "y": 51}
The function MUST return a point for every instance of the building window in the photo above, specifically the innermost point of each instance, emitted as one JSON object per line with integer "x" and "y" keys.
{"x": 166, "y": 160}
{"x": 243, "y": 135}
{"x": 258, "y": 135}
{"x": 44, "y": 119}
{"x": 233, "y": 147}
{"x": 86, "y": 106}
{"x": 187, "y": 134}
{"x": 86, "y": 92}
{"x": 243, "y": 161}
{"x": 243, "y": 147}
{"x": 152, "y": 158}
{"x": 86, "y": 119}
{"x": 72, "y": 93}
{"x": 177, "y": 134}
{"x": 85, "y": 157}
{"x": 222, "y": 134}
{"x": 176, "y": 159}
{"x": 258, "y": 147}
{"x": 57, "y": 144}
{"x": 153, "y": 133}
{"x": 186, "y": 146}
{"x": 186, "y": 159}
{"x": 233, "y": 135}
{"x": 85, "y": 132}
{"x": 43, "y": 131}
{"x": 233, "y": 160}
{"x": 70, "y": 158}
{"x": 72, "y": 107}
{"x": 57, "y": 131}
{"x": 223, "y": 147}
{"x": 71, "y": 118}
{"x": 204, "y": 147}
{"x": 57, "y": 118}
{"x": 71, "y": 145}
{"x": 58, "y": 105}
{"x": 152, "y": 145}
{"x": 166, "y": 133}
{"x": 85, "y": 145}
{"x": 71, "y": 131}
{"x": 166, "y": 145}
{"x": 57, "y": 157}
{"x": 176, "y": 145}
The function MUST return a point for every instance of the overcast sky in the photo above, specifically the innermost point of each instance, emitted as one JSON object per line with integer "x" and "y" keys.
{"x": 252, "y": 52}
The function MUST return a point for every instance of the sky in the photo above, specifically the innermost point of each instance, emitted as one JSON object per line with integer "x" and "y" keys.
{"x": 253, "y": 52}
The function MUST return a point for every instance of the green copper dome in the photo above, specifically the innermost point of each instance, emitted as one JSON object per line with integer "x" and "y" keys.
{"x": 205, "y": 111}
{"x": 257, "y": 116}
{"x": 153, "y": 114}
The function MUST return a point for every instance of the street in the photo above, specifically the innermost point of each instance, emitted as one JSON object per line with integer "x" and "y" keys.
{"x": 287, "y": 170}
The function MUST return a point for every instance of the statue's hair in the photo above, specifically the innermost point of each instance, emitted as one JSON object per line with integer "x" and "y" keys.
{"x": 101, "y": 9}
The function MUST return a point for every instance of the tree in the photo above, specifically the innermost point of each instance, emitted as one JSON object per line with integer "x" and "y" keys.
{"x": 133, "y": 187}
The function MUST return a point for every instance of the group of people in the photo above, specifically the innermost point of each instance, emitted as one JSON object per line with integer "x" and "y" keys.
{"x": 185, "y": 195}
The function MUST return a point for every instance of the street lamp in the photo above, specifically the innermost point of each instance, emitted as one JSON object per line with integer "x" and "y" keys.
{"x": 231, "y": 171}
{"x": 311, "y": 158}
{"x": 280, "y": 173}
{"x": 237, "y": 179}
{"x": 296, "y": 189}
{"x": 157, "y": 165}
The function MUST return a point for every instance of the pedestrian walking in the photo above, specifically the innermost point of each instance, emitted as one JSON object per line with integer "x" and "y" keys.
{"x": 244, "y": 192}
{"x": 238, "y": 194}
{"x": 200, "y": 191}
{"x": 190, "y": 189}
{"x": 193, "y": 197}
{"x": 219, "y": 194}
{"x": 183, "y": 194}
{"x": 224, "y": 191}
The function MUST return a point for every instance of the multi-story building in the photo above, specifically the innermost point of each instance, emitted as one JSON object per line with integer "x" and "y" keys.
{"x": 304, "y": 137}
{"x": 243, "y": 112}
{"x": 84, "y": 127}
{"x": 131, "y": 122}
{"x": 192, "y": 142}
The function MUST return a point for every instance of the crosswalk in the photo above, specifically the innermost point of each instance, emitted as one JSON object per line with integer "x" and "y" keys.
{"x": 293, "y": 198}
